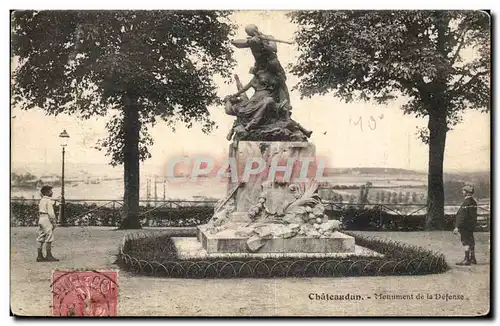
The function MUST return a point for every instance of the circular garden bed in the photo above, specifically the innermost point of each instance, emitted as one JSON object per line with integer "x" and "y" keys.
{"x": 155, "y": 254}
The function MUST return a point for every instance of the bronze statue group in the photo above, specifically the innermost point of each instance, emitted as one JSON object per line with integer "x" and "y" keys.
{"x": 266, "y": 115}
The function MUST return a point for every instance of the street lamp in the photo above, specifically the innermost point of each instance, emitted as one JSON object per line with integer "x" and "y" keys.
{"x": 64, "y": 137}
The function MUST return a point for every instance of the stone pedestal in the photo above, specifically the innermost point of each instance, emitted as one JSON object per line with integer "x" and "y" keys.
{"x": 286, "y": 214}
{"x": 228, "y": 242}
{"x": 189, "y": 248}
{"x": 244, "y": 151}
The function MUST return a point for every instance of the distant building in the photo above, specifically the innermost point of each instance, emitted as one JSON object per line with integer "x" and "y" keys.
{"x": 50, "y": 179}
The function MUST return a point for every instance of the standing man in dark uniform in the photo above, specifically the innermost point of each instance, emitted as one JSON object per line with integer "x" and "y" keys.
{"x": 465, "y": 223}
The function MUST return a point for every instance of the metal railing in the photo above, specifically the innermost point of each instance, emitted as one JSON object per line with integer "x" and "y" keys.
{"x": 403, "y": 214}
{"x": 144, "y": 202}
{"x": 153, "y": 209}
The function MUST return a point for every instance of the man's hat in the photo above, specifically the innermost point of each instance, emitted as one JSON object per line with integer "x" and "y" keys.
{"x": 45, "y": 190}
{"x": 468, "y": 189}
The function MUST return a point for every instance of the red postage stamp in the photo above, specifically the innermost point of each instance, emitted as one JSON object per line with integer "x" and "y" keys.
{"x": 84, "y": 293}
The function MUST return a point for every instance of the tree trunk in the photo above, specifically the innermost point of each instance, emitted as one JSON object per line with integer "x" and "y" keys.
{"x": 131, "y": 128}
{"x": 435, "y": 190}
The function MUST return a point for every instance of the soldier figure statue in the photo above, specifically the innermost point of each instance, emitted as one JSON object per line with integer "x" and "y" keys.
{"x": 266, "y": 116}
{"x": 264, "y": 50}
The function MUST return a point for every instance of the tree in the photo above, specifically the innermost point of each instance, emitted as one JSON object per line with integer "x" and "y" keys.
{"x": 439, "y": 61}
{"x": 137, "y": 66}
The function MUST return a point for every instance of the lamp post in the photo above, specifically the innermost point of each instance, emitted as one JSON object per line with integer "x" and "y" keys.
{"x": 62, "y": 207}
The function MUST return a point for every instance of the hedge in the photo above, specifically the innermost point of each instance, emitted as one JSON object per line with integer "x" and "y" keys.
{"x": 375, "y": 218}
{"x": 26, "y": 214}
{"x": 369, "y": 219}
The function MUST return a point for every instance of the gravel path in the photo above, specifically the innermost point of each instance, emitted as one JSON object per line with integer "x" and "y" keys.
{"x": 96, "y": 247}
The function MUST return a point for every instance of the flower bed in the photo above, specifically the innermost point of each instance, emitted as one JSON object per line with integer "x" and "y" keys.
{"x": 156, "y": 255}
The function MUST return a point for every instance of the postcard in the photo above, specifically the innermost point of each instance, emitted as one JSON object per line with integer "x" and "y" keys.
{"x": 250, "y": 163}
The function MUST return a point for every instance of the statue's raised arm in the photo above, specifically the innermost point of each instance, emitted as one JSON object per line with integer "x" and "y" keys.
{"x": 258, "y": 38}
{"x": 240, "y": 44}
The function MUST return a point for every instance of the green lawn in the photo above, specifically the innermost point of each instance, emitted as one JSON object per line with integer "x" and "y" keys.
{"x": 96, "y": 247}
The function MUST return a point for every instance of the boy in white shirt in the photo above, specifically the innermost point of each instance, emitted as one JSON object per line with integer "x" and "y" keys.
{"x": 47, "y": 224}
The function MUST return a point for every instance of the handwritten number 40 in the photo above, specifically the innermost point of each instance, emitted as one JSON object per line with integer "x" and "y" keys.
{"x": 371, "y": 122}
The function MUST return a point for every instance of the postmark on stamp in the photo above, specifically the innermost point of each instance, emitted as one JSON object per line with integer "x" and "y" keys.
{"x": 84, "y": 293}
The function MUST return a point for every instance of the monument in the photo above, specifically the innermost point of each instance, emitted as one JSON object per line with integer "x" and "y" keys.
{"x": 278, "y": 209}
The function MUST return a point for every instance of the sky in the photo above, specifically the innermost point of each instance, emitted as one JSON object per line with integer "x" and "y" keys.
{"x": 387, "y": 137}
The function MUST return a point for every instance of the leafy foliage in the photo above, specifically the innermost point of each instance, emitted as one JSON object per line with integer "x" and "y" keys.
{"x": 437, "y": 59}
{"x": 84, "y": 63}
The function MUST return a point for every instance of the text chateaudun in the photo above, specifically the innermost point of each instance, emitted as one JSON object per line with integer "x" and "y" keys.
{"x": 334, "y": 297}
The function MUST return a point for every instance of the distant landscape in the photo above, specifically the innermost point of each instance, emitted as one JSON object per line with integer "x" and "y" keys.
{"x": 403, "y": 184}
{"x": 105, "y": 182}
